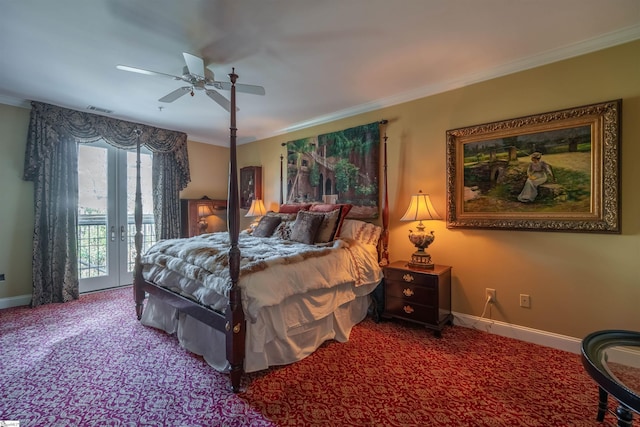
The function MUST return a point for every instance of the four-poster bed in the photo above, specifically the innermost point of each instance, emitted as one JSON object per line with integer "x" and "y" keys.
{"x": 233, "y": 326}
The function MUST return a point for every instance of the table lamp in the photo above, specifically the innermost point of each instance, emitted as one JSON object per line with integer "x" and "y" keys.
{"x": 420, "y": 209}
{"x": 203, "y": 212}
{"x": 256, "y": 210}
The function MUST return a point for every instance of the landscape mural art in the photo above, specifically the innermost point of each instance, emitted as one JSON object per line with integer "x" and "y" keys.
{"x": 337, "y": 167}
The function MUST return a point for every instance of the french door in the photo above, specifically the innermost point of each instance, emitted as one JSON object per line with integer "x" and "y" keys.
{"x": 106, "y": 228}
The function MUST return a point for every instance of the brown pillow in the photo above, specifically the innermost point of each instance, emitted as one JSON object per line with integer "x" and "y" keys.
{"x": 305, "y": 228}
{"x": 328, "y": 226}
{"x": 266, "y": 226}
{"x": 327, "y": 207}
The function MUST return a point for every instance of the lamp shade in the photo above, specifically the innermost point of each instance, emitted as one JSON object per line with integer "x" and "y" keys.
{"x": 256, "y": 209}
{"x": 204, "y": 211}
{"x": 420, "y": 208}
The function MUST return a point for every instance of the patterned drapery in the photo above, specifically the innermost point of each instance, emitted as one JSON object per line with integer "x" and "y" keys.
{"x": 51, "y": 163}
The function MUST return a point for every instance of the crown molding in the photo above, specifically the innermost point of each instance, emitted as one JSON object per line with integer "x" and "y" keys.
{"x": 15, "y": 102}
{"x": 611, "y": 39}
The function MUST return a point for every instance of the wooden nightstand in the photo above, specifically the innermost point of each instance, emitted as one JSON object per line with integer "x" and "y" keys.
{"x": 421, "y": 296}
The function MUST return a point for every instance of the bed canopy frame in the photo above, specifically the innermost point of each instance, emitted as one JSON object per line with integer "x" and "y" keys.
{"x": 232, "y": 321}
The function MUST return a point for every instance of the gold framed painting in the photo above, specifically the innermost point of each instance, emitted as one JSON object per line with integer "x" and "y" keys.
{"x": 556, "y": 171}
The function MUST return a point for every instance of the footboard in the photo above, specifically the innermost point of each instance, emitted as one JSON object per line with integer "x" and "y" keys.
{"x": 231, "y": 323}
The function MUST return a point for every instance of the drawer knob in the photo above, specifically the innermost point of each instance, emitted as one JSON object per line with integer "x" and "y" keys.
{"x": 408, "y": 309}
{"x": 408, "y": 278}
{"x": 407, "y": 292}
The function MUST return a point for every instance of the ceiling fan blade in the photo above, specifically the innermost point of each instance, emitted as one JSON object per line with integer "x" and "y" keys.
{"x": 224, "y": 102}
{"x": 146, "y": 72}
{"x": 252, "y": 89}
{"x": 194, "y": 64}
{"x": 176, "y": 94}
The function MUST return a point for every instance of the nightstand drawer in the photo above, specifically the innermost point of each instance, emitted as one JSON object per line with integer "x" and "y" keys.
{"x": 421, "y": 294}
{"x": 410, "y": 277}
{"x": 400, "y": 307}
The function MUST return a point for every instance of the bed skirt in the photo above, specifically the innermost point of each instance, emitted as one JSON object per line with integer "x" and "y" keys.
{"x": 281, "y": 334}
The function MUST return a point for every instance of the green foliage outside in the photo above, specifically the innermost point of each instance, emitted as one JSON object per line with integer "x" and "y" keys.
{"x": 92, "y": 250}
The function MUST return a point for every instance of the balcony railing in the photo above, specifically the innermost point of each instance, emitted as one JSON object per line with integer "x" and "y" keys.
{"x": 93, "y": 237}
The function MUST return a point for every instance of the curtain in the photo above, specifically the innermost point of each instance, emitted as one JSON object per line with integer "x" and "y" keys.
{"x": 51, "y": 163}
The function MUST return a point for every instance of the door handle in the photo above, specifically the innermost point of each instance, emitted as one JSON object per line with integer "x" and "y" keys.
{"x": 122, "y": 233}
{"x": 113, "y": 233}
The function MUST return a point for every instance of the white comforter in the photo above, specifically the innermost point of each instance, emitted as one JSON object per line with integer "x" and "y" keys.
{"x": 271, "y": 269}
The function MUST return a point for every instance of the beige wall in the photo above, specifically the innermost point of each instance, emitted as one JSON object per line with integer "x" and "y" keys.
{"x": 578, "y": 282}
{"x": 209, "y": 168}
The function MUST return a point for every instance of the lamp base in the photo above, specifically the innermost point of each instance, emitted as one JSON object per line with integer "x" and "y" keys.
{"x": 420, "y": 260}
{"x": 203, "y": 225}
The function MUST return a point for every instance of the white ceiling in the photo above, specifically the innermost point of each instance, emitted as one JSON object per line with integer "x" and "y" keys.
{"x": 318, "y": 60}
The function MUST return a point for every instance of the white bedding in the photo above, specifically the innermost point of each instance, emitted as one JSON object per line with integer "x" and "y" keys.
{"x": 291, "y": 308}
{"x": 281, "y": 334}
{"x": 271, "y": 269}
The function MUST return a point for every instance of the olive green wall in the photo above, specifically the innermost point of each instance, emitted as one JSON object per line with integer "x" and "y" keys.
{"x": 578, "y": 282}
{"x": 16, "y": 205}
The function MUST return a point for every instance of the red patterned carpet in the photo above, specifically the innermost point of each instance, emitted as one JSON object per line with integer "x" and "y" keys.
{"x": 90, "y": 363}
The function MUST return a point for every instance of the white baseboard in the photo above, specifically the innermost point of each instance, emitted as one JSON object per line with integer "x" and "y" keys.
{"x": 522, "y": 333}
{"x": 15, "y": 301}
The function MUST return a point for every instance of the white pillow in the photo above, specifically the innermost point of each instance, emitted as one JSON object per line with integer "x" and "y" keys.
{"x": 363, "y": 232}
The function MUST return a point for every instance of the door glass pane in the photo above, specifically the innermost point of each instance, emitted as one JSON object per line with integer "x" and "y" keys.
{"x": 92, "y": 211}
{"x": 148, "y": 225}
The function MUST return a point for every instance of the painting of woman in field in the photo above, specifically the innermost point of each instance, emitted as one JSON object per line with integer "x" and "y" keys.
{"x": 551, "y": 171}
{"x": 508, "y": 174}
{"x": 538, "y": 173}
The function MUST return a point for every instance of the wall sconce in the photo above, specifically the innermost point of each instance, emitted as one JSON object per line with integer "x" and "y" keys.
{"x": 420, "y": 209}
{"x": 203, "y": 212}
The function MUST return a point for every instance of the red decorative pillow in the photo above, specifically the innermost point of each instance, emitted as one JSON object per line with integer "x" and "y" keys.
{"x": 328, "y": 207}
{"x": 294, "y": 208}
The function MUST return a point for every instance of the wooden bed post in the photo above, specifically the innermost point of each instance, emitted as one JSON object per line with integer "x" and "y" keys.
{"x": 281, "y": 192}
{"x": 384, "y": 239}
{"x": 234, "y": 314}
{"x": 282, "y": 144}
{"x": 138, "y": 291}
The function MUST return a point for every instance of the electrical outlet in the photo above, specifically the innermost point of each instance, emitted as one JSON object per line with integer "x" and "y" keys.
{"x": 490, "y": 294}
{"x": 525, "y": 301}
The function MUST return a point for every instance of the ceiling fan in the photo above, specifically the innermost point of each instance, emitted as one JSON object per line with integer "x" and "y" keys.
{"x": 198, "y": 78}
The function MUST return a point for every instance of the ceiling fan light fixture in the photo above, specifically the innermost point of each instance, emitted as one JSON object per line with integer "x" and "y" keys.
{"x": 198, "y": 78}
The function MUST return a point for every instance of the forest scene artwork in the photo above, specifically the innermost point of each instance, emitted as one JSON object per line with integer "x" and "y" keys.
{"x": 553, "y": 171}
{"x": 338, "y": 167}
